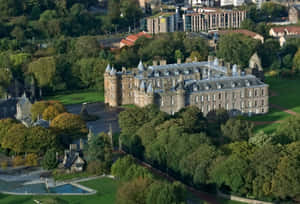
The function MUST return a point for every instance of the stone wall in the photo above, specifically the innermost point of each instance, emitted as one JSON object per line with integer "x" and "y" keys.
{"x": 240, "y": 199}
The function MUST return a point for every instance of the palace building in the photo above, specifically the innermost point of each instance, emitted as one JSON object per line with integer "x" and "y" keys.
{"x": 209, "y": 85}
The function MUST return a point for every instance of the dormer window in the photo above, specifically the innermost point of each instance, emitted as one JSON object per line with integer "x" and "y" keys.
{"x": 186, "y": 71}
{"x": 167, "y": 73}
{"x": 176, "y": 72}
{"x": 233, "y": 84}
{"x": 207, "y": 87}
{"x": 219, "y": 86}
{"x": 247, "y": 83}
{"x": 156, "y": 74}
{"x": 195, "y": 88}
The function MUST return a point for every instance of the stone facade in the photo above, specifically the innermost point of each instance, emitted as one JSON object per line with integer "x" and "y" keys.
{"x": 212, "y": 19}
{"x": 209, "y": 85}
{"x": 294, "y": 13}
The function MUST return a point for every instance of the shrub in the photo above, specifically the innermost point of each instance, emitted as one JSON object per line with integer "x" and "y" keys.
{"x": 31, "y": 160}
{"x": 49, "y": 160}
{"x": 18, "y": 161}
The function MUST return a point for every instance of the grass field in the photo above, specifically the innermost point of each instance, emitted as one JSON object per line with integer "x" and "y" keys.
{"x": 78, "y": 97}
{"x": 285, "y": 94}
{"x": 287, "y": 91}
{"x": 273, "y": 115}
{"x": 106, "y": 193}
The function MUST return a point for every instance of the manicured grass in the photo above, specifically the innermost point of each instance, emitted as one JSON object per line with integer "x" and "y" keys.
{"x": 273, "y": 115}
{"x": 106, "y": 193}
{"x": 269, "y": 128}
{"x": 78, "y": 97}
{"x": 288, "y": 92}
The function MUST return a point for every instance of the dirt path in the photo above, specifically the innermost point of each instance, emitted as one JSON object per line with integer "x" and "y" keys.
{"x": 278, "y": 107}
{"x": 283, "y": 109}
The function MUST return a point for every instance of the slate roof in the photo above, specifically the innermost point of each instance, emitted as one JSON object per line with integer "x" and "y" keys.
{"x": 222, "y": 83}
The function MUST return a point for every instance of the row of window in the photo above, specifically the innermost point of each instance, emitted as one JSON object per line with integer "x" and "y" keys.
{"x": 234, "y": 95}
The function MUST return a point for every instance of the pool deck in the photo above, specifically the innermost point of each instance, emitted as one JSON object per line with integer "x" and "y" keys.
{"x": 74, "y": 182}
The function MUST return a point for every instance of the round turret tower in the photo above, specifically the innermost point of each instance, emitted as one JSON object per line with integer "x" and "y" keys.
{"x": 111, "y": 86}
{"x": 180, "y": 95}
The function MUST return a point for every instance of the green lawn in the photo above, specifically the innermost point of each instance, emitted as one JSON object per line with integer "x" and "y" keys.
{"x": 288, "y": 92}
{"x": 78, "y": 97}
{"x": 106, "y": 193}
{"x": 270, "y": 128}
{"x": 273, "y": 115}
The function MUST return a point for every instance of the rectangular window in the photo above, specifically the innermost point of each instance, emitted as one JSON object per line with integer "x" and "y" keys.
{"x": 202, "y": 98}
{"x": 250, "y": 94}
{"x": 262, "y": 102}
{"x": 262, "y": 92}
{"x": 172, "y": 100}
{"x": 208, "y": 98}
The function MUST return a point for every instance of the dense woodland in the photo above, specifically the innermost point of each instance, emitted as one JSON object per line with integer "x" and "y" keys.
{"x": 217, "y": 151}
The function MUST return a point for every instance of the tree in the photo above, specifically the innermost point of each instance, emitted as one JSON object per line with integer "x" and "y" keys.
{"x": 18, "y": 33}
{"x": 269, "y": 52}
{"x": 40, "y": 139}
{"x": 44, "y": 70}
{"x": 91, "y": 72}
{"x": 193, "y": 119}
{"x": 5, "y": 78}
{"x": 296, "y": 61}
{"x": 134, "y": 191}
{"x": 289, "y": 131}
{"x": 100, "y": 149}
{"x": 179, "y": 55}
{"x": 15, "y": 138}
{"x": 49, "y": 161}
{"x": 31, "y": 160}
{"x": 120, "y": 167}
{"x": 237, "y": 129}
{"x": 231, "y": 172}
{"x": 131, "y": 11}
{"x": 5, "y": 125}
{"x": 86, "y": 46}
{"x": 52, "y": 111}
{"x": 286, "y": 181}
{"x": 69, "y": 126}
{"x": 264, "y": 162}
{"x": 10, "y": 7}
{"x": 248, "y": 24}
{"x": 196, "y": 164}
{"x": 236, "y": 48}
{"x": 161, "y": 193}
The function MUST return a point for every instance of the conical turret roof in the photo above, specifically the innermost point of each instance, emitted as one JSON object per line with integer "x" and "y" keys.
{"x": 108, "y": 69}
{"x": 141, "y": 66}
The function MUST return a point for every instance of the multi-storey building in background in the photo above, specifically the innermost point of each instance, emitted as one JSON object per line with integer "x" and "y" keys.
{"x": 209, "y": 85}
{"x": 212, "y": 19}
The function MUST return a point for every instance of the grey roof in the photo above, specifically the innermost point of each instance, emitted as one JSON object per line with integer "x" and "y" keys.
{"x": 42, "y": 123}
{"x": 189, "y": 65}
{"x": 234, "y": 82}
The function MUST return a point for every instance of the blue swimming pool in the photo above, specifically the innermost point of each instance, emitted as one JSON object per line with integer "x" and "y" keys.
{"x": 67, "y": 188}
{"x": 18, "y": 187}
